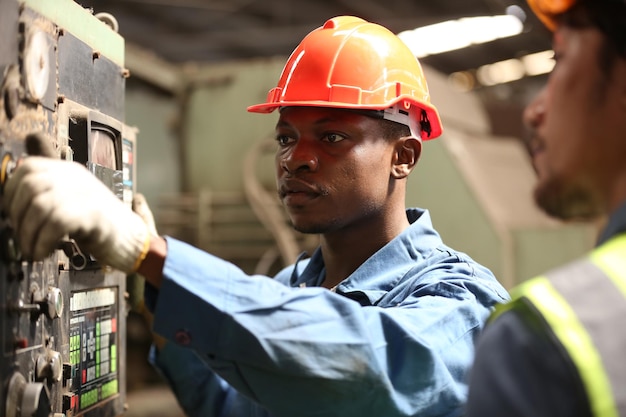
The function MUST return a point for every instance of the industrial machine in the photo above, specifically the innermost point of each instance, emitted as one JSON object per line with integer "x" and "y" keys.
{"x": 62, "y": 320}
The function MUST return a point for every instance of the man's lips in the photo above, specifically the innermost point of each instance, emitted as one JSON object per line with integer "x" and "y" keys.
{"x": 536, "y": 146}
{"x": 297, "y": 191}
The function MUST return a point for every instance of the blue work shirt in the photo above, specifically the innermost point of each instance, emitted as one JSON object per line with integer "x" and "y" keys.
{"x": 395, "y": 338}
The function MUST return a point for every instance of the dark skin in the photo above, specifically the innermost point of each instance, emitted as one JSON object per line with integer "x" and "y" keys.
{"x": 339, "y": 177}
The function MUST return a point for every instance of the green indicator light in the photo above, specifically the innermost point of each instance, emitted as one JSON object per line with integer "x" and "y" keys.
{"x": 88, "y": 399}
{"x": 110, "y": 388}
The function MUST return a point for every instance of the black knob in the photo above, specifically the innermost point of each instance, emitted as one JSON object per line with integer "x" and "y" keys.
{"x": 36, "y": 401}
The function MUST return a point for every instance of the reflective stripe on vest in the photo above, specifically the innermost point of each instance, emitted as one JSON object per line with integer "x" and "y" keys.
{"x": 584, "y": 303}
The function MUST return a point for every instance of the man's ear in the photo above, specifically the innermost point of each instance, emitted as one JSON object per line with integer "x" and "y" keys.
{"x": 407, "y": 152}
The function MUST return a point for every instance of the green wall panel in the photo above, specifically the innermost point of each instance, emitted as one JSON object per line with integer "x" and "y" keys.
{"x": 437, "y": 185}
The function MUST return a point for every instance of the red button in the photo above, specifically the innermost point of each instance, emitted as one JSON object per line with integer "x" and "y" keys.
{"x": 21, "y": 343}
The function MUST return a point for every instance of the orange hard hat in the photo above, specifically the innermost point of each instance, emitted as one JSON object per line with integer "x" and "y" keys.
{"x": 546, "y": 10}
{"x": 354, "y": 64}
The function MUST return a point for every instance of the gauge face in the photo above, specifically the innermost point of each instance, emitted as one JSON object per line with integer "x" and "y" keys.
{"x": 55, "y": 301}
{"x": 15, "y": 392}
{"x": 37, "y": 64}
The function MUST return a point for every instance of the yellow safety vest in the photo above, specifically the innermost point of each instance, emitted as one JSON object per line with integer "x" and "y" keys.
{"x": 584, "y": 304}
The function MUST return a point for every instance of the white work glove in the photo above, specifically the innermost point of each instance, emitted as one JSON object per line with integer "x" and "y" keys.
{"x": 47, "y": 199}
{"x": 135, "y": 283}
{"x": 140, "y": 206}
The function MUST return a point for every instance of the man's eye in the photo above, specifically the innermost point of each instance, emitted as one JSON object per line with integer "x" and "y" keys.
{"x": 283, "y": 140}
{"x": 334, "y": 137}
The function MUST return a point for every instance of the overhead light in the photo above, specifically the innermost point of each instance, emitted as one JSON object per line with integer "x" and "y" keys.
{"x": 538, "y": 63}
{"x": 515, "y": 69}
{"x": 461, "y": 33}
{"x": 501, "y": 72}
{"x": 517, "y": 11}
{"x": 462, "y": 81}
{"x": 504, "y": 71}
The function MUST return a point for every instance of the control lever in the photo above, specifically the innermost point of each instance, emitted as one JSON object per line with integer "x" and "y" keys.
{"x": 37, "y": 144}
{"x": 77, "y": 258}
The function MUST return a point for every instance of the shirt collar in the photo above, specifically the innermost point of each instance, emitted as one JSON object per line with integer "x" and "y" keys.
{"x": 379, "y": 273}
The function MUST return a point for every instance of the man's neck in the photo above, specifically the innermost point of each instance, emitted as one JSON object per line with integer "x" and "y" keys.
{"x": 345, "y": 250}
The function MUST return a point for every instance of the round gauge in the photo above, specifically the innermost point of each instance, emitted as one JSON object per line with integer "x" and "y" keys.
{"x": 55, "y": 303}
{"x": 37, "y": 64}
{"x": 14, "y": 395}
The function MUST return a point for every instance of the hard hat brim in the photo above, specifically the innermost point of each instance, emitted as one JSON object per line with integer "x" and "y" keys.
{"x": 431, "y": 112}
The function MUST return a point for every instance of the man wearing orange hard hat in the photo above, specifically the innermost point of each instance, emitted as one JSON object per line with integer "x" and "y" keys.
{"x": 558, "y": 348}
{"x": 380, "y": 320}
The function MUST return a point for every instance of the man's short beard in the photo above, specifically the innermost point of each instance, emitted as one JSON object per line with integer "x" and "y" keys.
{"x": 574, "y": 203}
{"x": 311, "y": 229}
{"x": 316, "y": 228}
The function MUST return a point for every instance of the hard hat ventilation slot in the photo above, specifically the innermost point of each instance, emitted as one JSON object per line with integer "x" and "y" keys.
{"x": 425, "y": 123}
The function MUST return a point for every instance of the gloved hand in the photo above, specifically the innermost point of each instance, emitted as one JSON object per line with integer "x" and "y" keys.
{"x": 47, "y": 199}
{"x": 135, "y": 283}
{"x": 140, "y": 206}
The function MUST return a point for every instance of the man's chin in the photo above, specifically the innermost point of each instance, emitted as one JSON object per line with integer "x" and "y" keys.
{"x": 308, "y": 229}
{"x": 574, "y": 204}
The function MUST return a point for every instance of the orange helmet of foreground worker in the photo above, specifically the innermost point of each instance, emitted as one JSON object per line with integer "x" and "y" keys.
{"x": 546, "y": 10}
{"x": 353, "y": 64}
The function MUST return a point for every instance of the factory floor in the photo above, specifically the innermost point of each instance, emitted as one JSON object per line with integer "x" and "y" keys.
{"x": 152, "y": 402}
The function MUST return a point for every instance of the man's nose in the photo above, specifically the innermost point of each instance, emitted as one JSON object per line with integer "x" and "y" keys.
{"x": 300, "y": 156}
{"x": 534, "y": 112}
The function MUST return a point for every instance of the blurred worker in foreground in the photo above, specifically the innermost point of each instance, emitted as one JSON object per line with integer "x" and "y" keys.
{"x": 379, "y": 321}
{"x": 558, "y": 348}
